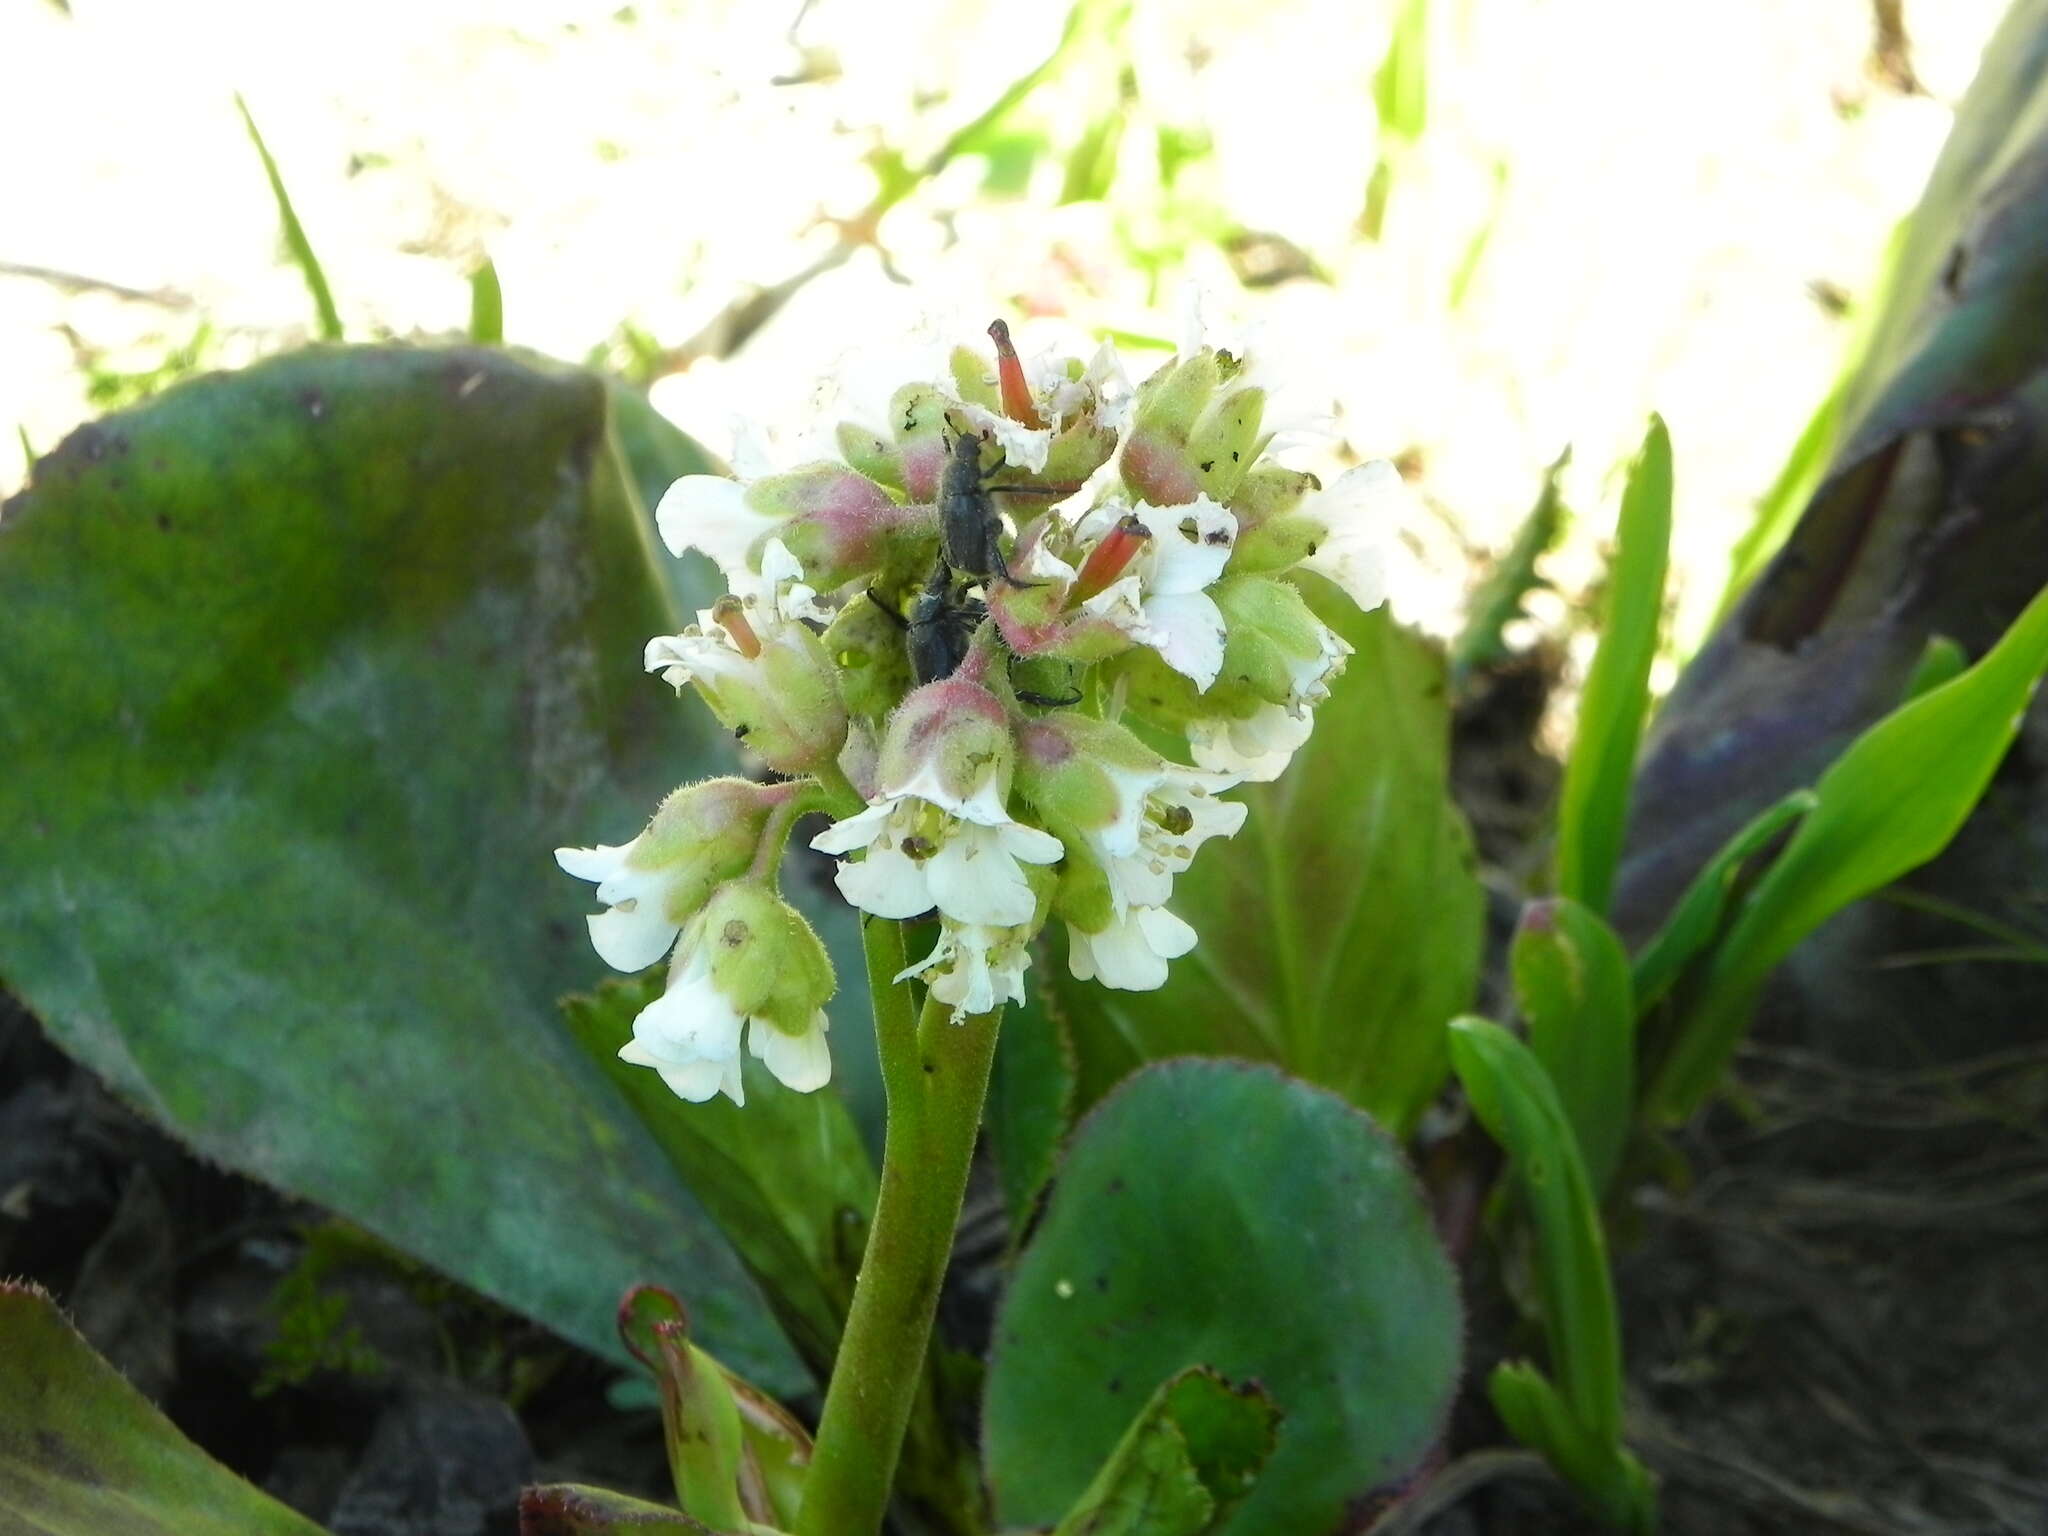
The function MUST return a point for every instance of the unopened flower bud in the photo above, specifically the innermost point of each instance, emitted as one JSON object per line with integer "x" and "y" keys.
{"x": 866, "y": 643}
{"x": 1226, "y": 440}
{"x": 766, "y": 959}
{"x": 838, "y": 523}
{"x": 1156, "y": 463}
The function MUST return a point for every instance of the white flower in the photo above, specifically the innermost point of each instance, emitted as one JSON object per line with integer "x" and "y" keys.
{"x": 724, "y": 644}
{"x": 1026, "y": 447}
{"x": 938, "y": 832}
{"x": 635, "y": 930}
{"x": 975, "y": 966}
{"x": 1103, "y": 390}
{"x": 691, "y": 1034}
{"x": 1163, "y": 820}
{"x": 1256, "y": 748}
{"x": 963, "y": 858}
{"x": 1295, "y": 413}
{"x": 1131, "y": 953}
{"x": 1354, "y": 511}
{"x": 1165, "y": 585}
{"x": 710, "y": 513}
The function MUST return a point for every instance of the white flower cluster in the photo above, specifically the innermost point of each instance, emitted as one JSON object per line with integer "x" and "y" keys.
{"x": 1154, "y": 579}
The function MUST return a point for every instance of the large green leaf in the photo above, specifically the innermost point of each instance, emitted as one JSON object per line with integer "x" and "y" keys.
{"x": 82, "y": 1453}
{"x": 1889, "y": 804}
{"x": 1341, "y": 927}
{"x": 1220, "y": 1214}
{"x": 304, "y": 671}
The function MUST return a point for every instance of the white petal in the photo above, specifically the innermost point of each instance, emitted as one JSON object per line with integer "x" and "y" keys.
{"x": 802, "y": 1062}
{"x": 1027, "y": 448}
{"x": 1256, "y": 749}
{"x": 753, "y": 453}
{"x": 856, "y": 831}
{"x": 1041, "y": 564}
{"x": 1031, "y": 844}
{"x": 1122, "y": 603}
{"x": 974, "y": 880}
{"x": 1119, "y": 837}
{"x": 1117, "y": 957}
{"x": 710, "y": 513}
{"x": 683, "y": 658}
{"x": 942, "y": 954}
{"x": 599, "y": 863}
{"x": 631, "y": 937}
{"x": 1357, "y": 511}
{"x": 1138, "y": 881}
{"x": 1189, "y": 546}
{"x": 983, "y": 803}
{"x": 1193, "y": 330}
{"x": 1166, "y": 935}
{"x": 691, "y": 1036}
{"x": 1188, "y": 633}
{"x": 888, "y": 883}
{"x": 1131, "y": 953}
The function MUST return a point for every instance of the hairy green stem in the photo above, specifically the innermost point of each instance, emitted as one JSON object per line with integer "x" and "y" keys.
{"x": 936, "y": 1076}
{"x": 936, "y": 1089}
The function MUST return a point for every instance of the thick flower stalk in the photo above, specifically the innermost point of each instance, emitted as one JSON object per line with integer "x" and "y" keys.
{"x": 1020, "y": 634}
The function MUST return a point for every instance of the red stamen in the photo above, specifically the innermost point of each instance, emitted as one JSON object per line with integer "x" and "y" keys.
{"x": 730, "y": 615}
{"x": 1010, "y": 373}
{"x": 1109, "y": 559}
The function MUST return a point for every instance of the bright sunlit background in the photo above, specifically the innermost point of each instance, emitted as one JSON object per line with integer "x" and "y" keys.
{"x": 1492, "y": 227}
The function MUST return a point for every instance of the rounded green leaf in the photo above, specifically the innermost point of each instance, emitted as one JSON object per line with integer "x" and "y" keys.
{"x": 1221, "y": 1214}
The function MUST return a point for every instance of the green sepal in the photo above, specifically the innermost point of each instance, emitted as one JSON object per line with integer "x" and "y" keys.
{"x": 1225, "y": 441}
{"x": 865, "y": 643}
{"x": 765, "y": 959}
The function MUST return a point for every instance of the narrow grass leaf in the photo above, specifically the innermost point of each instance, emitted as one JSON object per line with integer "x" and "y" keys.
{"x": 1593, "y": 807}
{"x": 1887, "y": 805}
{"x": 1571, "y": 980}
{"x": 486, "y": 305}
{"x": 294, "y": 233}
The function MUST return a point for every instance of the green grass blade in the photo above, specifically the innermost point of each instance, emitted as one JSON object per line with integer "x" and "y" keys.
{"x": 1887, "y": 805}
{"x": 1696, "y": 917}
{"x": 1499, "y": 597}
{"x": 1593, "y": 807}
{"x": 486, "y": 305}
{"x": 1571, "y": 981}
{"x": 294, "y": 233}
{"x": 1519, "y": 1106}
